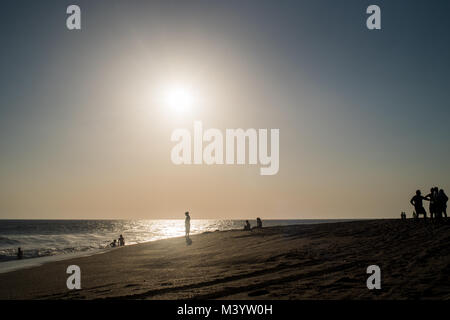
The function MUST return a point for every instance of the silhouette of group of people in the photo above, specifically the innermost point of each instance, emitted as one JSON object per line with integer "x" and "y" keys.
{"x": 118, "y": 243}
{"x": 187, "y": 226}
{"x": 438, "y": 204}
{"x": 247, "y": 225}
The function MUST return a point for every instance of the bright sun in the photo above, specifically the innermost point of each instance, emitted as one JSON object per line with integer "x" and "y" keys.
{"x": 179, "y": 99}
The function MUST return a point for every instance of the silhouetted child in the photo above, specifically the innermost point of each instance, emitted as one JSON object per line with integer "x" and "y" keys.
{"x": 121, "y": 241}
{"x": 113, "y": 244}
{"x": 247, "y": 225}
{"x": 19, "y": 253}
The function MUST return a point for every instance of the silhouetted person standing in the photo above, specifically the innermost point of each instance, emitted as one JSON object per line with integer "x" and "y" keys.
{"x": 258, "y": 223}
{"x": 247, "y": 225}
{"x": 19, "y": 253}
{"x": 416, "y": 201}
{"x": 442, "y": 200}
{"x": 187, "y": 224}
{"x": 432, "y": 197}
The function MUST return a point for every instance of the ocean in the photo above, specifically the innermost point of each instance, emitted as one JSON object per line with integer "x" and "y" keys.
{"x": 50, "y": 240}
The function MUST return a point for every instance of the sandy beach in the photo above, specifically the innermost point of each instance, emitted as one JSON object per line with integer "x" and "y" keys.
{"x": 324, "y": 261}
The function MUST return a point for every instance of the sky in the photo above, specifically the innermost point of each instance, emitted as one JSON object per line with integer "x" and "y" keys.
{"x": 363, "y": 115}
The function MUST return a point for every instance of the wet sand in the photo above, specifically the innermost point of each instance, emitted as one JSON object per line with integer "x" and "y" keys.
{"x": 324, "y": 261}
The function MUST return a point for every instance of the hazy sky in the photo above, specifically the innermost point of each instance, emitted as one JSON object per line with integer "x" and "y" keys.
{"x": 363, "y": 115}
